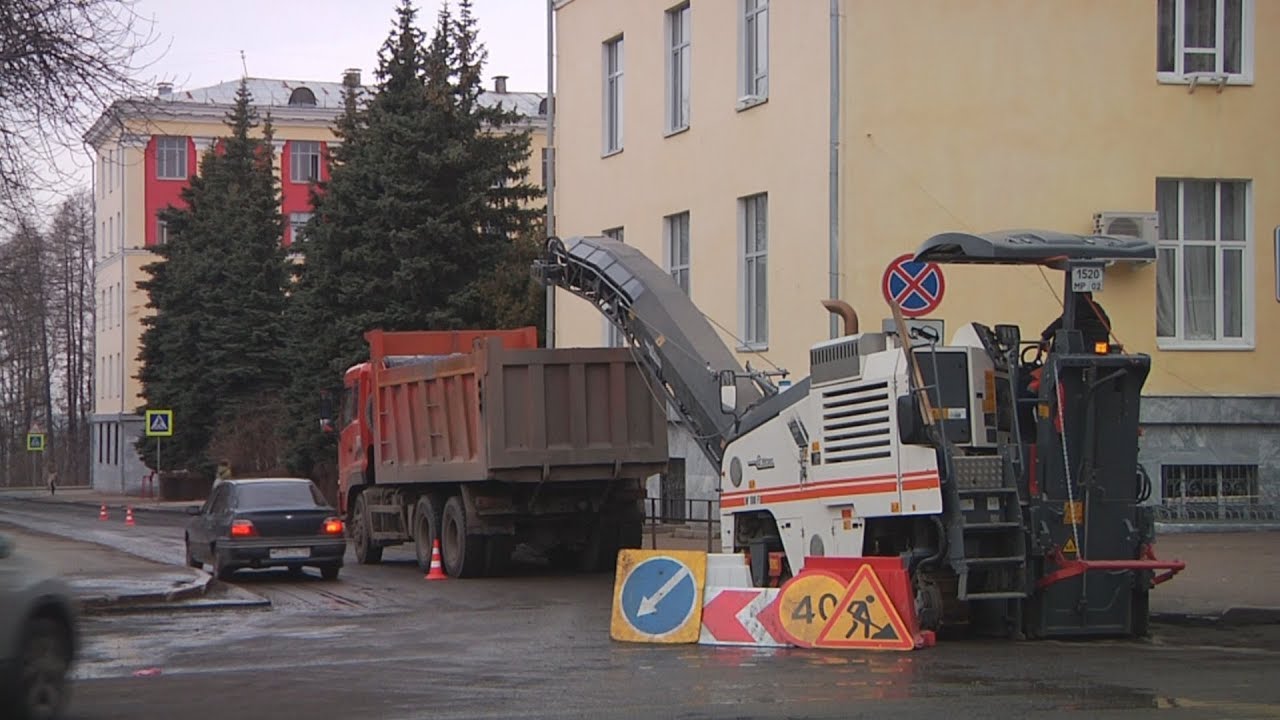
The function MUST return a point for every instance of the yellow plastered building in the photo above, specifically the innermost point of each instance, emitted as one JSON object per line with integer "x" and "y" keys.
{"x": 742, "y": 143}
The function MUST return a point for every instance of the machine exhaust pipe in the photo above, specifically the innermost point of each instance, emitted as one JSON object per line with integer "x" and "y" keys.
{"x": 846, "y": 312}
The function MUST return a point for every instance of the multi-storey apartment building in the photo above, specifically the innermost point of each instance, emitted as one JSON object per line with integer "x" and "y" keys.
{"x": 146, "y": 150}
{"x": 744, "y": 143}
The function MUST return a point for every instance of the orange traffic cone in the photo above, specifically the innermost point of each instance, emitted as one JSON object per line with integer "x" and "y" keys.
{"x": 437, "y": 571}
{"x": 128, "y": 516}
{"x": 102, "y": 514}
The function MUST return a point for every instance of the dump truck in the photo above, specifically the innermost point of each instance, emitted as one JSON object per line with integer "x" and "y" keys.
{"x": 1003, "y": 474}
{"x": 485, "y": 442}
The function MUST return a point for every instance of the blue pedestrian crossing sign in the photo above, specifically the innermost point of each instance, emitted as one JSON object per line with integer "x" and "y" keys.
{"x": 159, "y": 423}
{"x": 35, "y": 442}
{"x": 658, "y": 596}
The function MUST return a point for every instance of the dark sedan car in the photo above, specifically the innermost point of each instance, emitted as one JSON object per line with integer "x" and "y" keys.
{"x": 266, "y": 522}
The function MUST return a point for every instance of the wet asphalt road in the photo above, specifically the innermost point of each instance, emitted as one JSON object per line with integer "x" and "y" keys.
{"x": 383, "y": 643}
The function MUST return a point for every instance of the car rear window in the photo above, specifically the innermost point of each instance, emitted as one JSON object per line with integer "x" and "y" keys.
{"x": 264, "y": 496}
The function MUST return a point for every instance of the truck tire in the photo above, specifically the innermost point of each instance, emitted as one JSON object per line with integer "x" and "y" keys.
{"x": 463, "y": 553}
{"x": 367, "y": 552}
{"x": 426, "y": 529}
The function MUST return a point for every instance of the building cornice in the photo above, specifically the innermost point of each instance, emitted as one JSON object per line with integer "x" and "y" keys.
{"x": 114, "y": 119}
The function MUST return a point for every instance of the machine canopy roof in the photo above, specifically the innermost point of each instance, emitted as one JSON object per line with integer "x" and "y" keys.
{"x": 1032, "y": 247}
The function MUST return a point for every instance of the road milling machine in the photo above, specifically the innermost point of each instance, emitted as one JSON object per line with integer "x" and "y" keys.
{"x": 1003, "y": 472}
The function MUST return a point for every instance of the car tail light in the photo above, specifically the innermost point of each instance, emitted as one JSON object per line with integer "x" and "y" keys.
{"x": 242, "y": 528}
{"x": 333, "y": 526}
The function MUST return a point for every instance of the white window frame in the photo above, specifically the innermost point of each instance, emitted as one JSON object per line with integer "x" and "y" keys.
{"x": 1178, "y": 75}
{"x": 171, "y": 157}
{"x": 613, "y": 108}
{"x": 753, "y": 330}
{"x": 753, "y": 75}
{"x": 296, "y": 222}
{"x": 675, "y": 238}
{"x": 679, "y": 53}
{"x": 304, "y": 161}
{"x": 1178, "y": 243}
{"x": 162, "y": 232}
{"x": 611, "y": 335}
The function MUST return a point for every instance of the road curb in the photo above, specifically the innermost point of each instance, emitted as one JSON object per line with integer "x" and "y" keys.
{"x": 92, "y": 604}
{"x": 1231, "y": 617}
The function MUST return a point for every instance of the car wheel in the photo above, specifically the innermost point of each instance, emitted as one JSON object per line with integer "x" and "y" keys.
{"x": 220, "y": 570}
{"x": 329, "y": 572}
{"x": 191, "y": 558}
{"x": 46, "y": 659}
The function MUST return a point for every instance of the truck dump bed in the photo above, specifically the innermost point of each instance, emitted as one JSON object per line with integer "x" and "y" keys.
{"x": 459, "y": 407}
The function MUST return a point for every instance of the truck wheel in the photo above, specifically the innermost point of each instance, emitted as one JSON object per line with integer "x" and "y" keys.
{"x": 426, "y": 529}
{"x": 463, "y": 554}
{"x": 367, "y": 553}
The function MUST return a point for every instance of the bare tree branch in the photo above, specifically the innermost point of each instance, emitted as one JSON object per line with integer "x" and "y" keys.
{"x": 61, "y": 63}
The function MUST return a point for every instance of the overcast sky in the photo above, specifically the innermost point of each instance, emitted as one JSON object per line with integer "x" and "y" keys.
{"x": 199, "y": 43}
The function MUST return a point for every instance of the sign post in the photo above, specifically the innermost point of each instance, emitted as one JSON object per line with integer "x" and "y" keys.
{"x": 159, "y": 425}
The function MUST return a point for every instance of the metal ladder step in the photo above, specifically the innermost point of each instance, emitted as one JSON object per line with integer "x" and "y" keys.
{"x": 996, "y": 596}
{"x": 1008, "y": 560}
{"x": 993, "y": 526}
{"x": 986, "y": 491}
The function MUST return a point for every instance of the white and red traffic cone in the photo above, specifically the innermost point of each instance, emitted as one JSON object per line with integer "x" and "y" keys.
{"x": 102, "y": 513}
{"x": 437, "y": 570}
{"x": 128, "y": 516}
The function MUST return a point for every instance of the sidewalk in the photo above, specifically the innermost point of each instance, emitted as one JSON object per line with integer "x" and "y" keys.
{"x": 88, "y": 497}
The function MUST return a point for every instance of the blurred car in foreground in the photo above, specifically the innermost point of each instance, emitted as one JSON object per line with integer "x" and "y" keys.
{"x": 266, "y": 522}
{"x": 39, "y": 637}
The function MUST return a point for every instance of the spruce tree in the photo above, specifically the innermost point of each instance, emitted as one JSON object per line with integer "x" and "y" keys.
{"x": 213, "y": 351}
{"x": 422, "y": 205}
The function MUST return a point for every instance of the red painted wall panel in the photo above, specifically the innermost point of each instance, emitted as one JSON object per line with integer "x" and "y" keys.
{"x": 296, "y": 197}
{"x": 159, "y": 194}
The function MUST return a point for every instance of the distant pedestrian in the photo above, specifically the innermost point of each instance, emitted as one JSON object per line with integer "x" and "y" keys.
{"x": 52, "y": 481}
{"x": 224, "y": 472}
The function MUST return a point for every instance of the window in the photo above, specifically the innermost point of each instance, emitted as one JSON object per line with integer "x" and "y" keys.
{"x": 1201, "y": 492}
{"x": 304, "y": 161}
{"x": 290, "y": 495}
{"x": 297, "y": 226}
{"x": 162, "y": 232}
{"x": 1202, "y": 285}
{"x": 678, "y": 73}
{"x": 753, "y": 55}
{"x": 1205, "y": 36}
{"x": 546, "y": 160}
{"x": 111, "y": 235}
{"x": 613, "y": 96}
{"x": 612, "y": 335}
{"x": 302, "y": 96}
{"x": 754, "y": 271}
{"x": 171, "y": 158}
{"x": 676, "y": 240}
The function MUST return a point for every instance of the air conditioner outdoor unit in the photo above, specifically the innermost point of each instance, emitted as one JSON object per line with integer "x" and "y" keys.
{"x": 1142, "y": 225}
